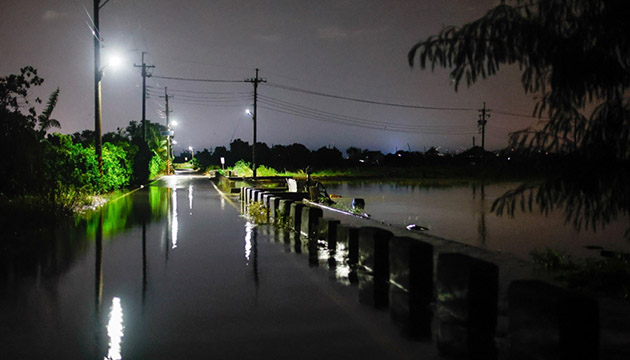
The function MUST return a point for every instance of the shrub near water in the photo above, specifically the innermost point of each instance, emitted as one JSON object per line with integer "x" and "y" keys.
{"x": 610, "y": 276}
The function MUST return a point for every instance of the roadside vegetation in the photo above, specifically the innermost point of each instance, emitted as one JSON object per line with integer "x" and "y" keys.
{"x": 48, "y": 175}
{"x": 608, "y": 276}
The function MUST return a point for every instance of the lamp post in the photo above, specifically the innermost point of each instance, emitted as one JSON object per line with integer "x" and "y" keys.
{"x": 98, "y": 75}
{"x": 192, "y": 153}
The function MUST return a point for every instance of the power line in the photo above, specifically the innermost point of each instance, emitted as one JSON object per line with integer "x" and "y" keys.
{"x": 372, "y": 126}
{"x": 201, "y": 92}
{"x": 196, "y": 80}
{"x": 348, "y": 120}
{"x": 374, "y": 102}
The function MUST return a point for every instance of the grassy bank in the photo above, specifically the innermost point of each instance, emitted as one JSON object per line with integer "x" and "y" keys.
{"x": 429, "y": 175}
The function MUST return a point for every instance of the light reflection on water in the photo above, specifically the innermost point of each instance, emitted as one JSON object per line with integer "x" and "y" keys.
{"x": 249, "y": 228}
{"x": 172, "y": 218}
{"x": 115, "y": 330}
{"x": 190, "y": 198}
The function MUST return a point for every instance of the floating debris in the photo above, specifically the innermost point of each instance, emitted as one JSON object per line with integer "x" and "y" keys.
{"x": 414, "y": 227}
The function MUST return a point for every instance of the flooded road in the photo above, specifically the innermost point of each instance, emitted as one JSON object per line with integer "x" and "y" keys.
{"x": 172, "y": 271}
{"x": 464, "y": 214}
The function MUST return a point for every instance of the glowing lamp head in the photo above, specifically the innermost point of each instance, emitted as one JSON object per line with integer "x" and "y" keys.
{"x": 114, "y": 61}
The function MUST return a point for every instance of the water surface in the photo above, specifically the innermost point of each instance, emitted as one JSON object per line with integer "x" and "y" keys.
{"x": 463, "y": 213}
{"x": 173, "y": 272}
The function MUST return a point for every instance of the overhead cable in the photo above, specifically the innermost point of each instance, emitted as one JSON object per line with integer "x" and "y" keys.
{"x": 196, "y": 80}
{"x": 374, "y": 102}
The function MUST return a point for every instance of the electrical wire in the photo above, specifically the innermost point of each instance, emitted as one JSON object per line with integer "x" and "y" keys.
{"x": 196, "y": 80}
{"x": 383, "y": 127}
{"x": 200, "y": 92}
{"x": 374, "y": 102}
{"x": 284, "y": 105}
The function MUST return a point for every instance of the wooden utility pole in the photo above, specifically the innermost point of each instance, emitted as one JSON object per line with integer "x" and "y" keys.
{"x": 483, "y": 115}
{"x": 168, "y": 129}
{"x": 255, "y": 81}
{"x": 144, "y": 94}
{"x": 98, "y": 145}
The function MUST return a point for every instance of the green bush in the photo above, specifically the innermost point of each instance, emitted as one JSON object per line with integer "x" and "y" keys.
{"x": 242, "y": 168}
{"x": 117, "y": 168}
{"x": 157, "y": 166}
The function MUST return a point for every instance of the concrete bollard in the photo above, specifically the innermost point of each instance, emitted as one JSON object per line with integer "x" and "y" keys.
{"x": 374, "y": 266}
{"x": 295, "y": 242}
{"x": 348, "y": 237}
{"x": 374, "y": 251}
{"x": 274, "y": 205}
{"x": 295, "y": 216}
{"x": 259, "y": 196}
{"x": 310, "y": 220}
{"x": 313, "y": 251}
{"x": 327, "y": 230}
{"x": 467, "y": 293}
{"x": 284, "y": 209}
{"x": 548, "y": 322}
{"x": 265, "y": 198}
{"x": 242, "y": 194}
{"x": 411, "y": 277}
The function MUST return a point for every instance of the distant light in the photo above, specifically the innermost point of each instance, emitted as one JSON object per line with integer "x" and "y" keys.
{"x": 248, "y": 112}
{"x": 173, "y": 123}
{"x": 174, "y": 142}
{"x": 190, "y": 148}
{"x": 222, "y": 160}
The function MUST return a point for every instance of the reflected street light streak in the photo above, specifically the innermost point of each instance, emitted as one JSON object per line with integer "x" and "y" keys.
{"x": 249, "y": 227}
{"x": 190, "y": 198}
{"x": 115, "y": 330}
{"x": 174, "y": 222}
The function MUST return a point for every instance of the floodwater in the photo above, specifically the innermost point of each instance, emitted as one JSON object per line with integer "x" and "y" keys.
{"x": 463, "y": 214}
{"x": 173, "y": 272}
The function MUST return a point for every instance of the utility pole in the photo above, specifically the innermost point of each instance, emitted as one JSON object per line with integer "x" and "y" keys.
{"x": 483, "y": 115}
{"x": 168, "y": 136}
{"x": 255, "y": 81}
{"x": 144, "y": 94}
{"x": 98, "y": 145}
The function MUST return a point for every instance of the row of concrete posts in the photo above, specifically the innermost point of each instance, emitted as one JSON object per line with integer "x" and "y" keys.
{"x": 449, "y": 297}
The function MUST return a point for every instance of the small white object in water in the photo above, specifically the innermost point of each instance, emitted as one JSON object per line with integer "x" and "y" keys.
{"x": 414, "y": 227}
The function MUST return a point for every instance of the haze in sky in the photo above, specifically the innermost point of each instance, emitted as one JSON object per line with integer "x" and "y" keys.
{"x": 331, "y": 66}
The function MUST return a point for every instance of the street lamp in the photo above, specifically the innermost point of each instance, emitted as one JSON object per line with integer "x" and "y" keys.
{"x": 98, "y": 76}
{"x": 113, "y": 61}
{"x": 192, "y": 153}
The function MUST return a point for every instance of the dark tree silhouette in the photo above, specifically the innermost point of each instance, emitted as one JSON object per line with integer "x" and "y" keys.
{"x": 574, "y": 53}
{"x": 44, "y": 119}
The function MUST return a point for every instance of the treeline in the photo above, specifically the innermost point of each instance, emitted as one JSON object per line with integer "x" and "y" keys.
{"x": 60, "y": 172}
{"x": 297, "y": 157}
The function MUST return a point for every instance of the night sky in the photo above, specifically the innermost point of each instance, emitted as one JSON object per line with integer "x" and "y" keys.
{"x": 351, "y": 49}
